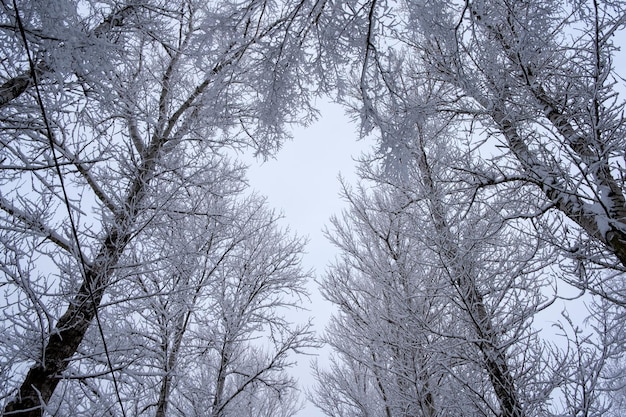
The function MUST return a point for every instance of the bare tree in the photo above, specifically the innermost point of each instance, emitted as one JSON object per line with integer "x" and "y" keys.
{"x": 388, "y": 334}
{"x": 197, "y": 326}
{"x": 486, "y": 107}
{"x": 97, "y": 101}
{"x": 432, "y": 303}
{"x": 532, "y": 88}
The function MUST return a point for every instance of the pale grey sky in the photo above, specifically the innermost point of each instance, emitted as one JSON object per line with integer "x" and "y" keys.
{"x": 302, "y": 182}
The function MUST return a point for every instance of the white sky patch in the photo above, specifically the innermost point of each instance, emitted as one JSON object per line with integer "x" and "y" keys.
{"x": 302, "y": 182}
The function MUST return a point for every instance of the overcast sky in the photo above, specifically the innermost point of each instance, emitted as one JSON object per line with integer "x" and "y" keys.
{"x": 302, "y": 182}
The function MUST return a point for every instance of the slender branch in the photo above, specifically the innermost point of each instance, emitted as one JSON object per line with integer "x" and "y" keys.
{"x": 35, "y": 224}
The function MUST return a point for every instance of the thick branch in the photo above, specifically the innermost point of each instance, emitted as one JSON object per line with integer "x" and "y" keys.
{"x": 493, "y": 354}
{"x": 611, "y": 230}
{"x": 14, "y": 87}
{"x": 42, "y": 379}
{"x": 552, "y": 186}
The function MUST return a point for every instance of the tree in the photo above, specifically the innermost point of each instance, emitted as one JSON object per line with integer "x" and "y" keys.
{"x": 431, "y": 301}
{"x": 517, "y": 178}
{"x": 97, "y": 101}
{"x": 388, "y": 333}
{"x": 530, "y": 86}
{"x": 199, "y": 329}
{"x": 440, "y": 296}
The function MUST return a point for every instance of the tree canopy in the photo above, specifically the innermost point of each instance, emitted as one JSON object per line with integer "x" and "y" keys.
{"x": 481, "y": 260}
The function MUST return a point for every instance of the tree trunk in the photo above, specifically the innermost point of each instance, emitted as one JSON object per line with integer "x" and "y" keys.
{"x": 43, "y": 378}
{"x": 494, "y": 356}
